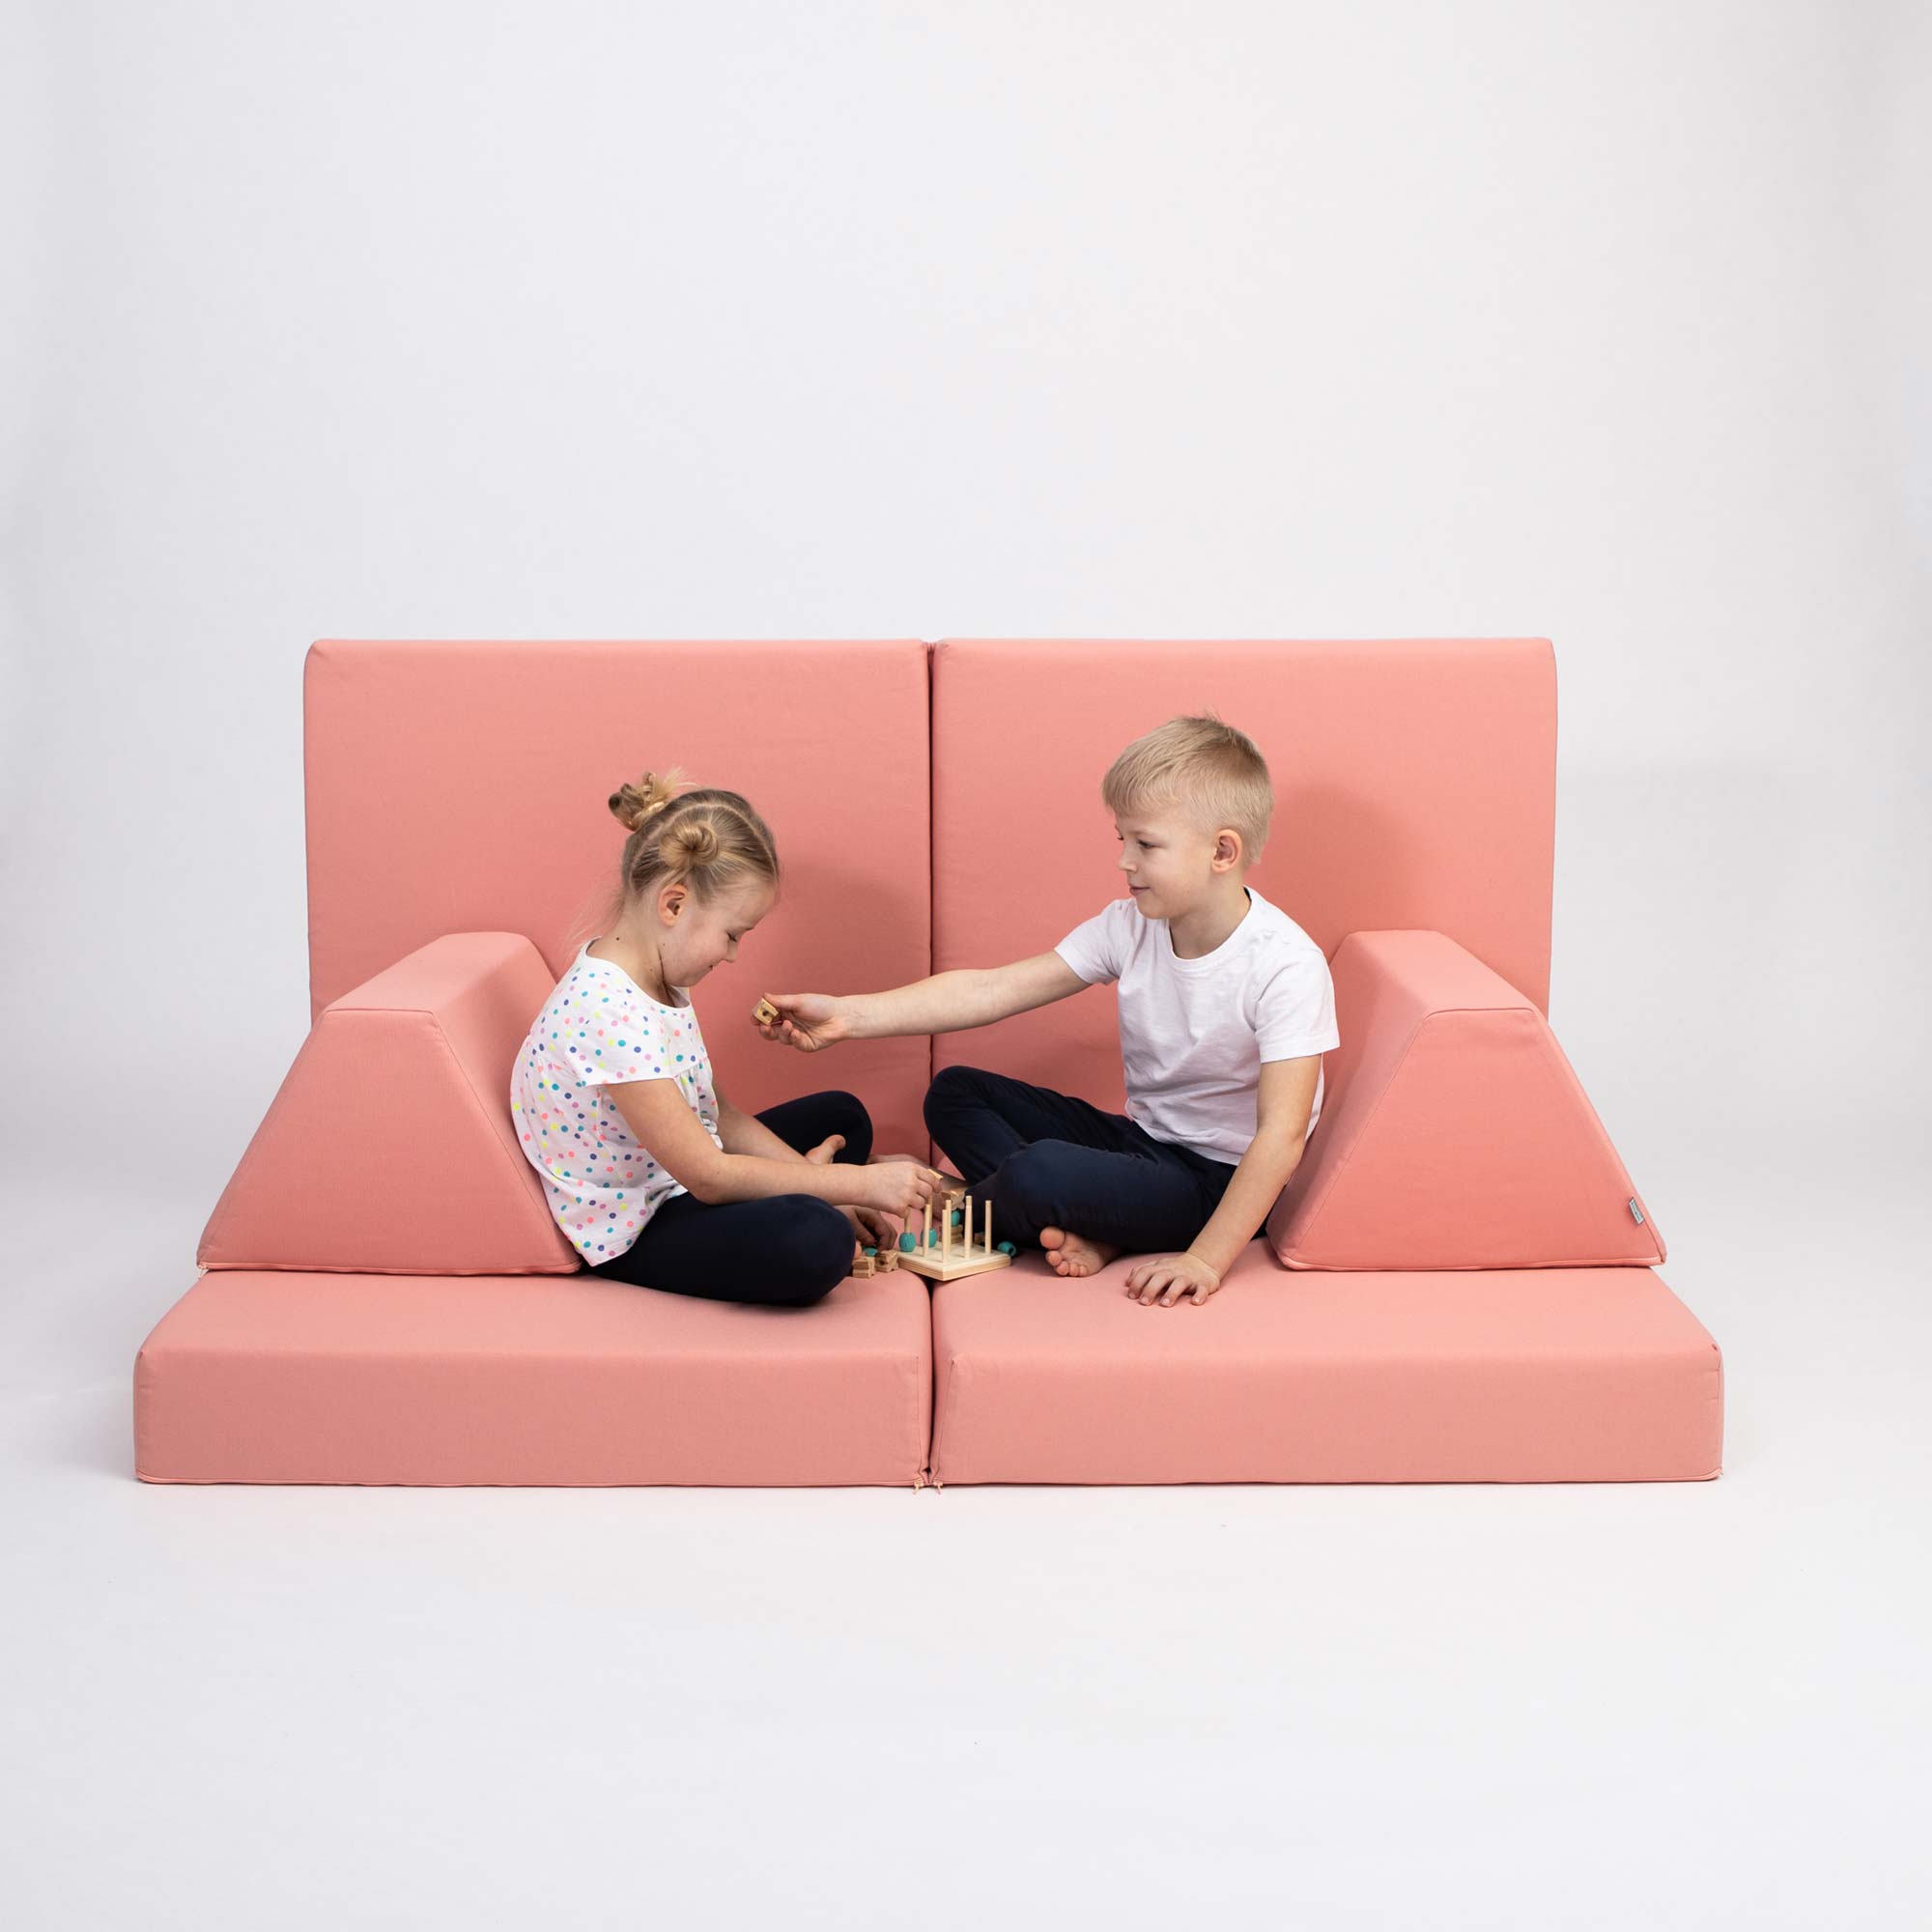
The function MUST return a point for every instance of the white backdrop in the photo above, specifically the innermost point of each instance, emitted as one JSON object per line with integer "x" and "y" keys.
{"x": 1591, "y": 322}
{"x": 1603, "y": 321}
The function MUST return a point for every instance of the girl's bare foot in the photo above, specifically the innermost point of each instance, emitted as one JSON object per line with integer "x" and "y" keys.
{"x": 1073, "y": 1255}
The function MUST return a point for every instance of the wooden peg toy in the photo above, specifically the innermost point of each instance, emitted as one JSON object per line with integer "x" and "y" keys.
{"x": 953, "y": 1258}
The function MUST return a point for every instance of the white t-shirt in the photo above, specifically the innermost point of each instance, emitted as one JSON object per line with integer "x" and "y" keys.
{"x": 599, "y": 1029}
{"x": 1194, "y": 1031}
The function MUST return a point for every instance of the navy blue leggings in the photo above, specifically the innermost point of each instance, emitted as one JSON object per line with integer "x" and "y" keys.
{"x": 784, "y": 1249}
{"x": 1048, "y": 1161}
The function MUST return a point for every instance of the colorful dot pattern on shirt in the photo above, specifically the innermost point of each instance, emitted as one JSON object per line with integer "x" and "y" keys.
{"x": 599, "y": 1029}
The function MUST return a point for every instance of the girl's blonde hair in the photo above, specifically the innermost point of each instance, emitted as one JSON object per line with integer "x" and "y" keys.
{"x": 711, "y": 838}
{"x": 1214, "y": 774}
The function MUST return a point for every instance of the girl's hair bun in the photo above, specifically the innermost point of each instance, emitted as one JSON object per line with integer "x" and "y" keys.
{"x": 695, "y": 842}
{"x": 634, "y": 805}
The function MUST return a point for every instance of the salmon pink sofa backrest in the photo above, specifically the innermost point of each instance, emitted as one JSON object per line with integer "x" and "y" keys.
{"x": 1414, "y": 789}
{"x": 461, "y": 787}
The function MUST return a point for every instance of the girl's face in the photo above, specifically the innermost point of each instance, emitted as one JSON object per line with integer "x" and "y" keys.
{"x": 694, "y": 937}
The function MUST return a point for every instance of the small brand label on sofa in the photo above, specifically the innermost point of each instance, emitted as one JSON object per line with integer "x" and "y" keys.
{"x": 1636, "y": 1213}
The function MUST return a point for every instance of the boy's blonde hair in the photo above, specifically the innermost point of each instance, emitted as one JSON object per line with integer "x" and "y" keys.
{"x": 1213, "y": 774}
{"x": 709, "y": 838}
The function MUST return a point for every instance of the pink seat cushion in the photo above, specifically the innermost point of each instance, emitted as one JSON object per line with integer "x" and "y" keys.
{"x": 255, "y": 1378}
{"x": 1538, "y": 1376}
{"x": 1454, "y": 1134}
{"x": 389, "y": 1147}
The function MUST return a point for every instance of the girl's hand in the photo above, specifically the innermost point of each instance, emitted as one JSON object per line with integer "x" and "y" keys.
{"x": 900, "y": 1188}
{"x": 868, "y": 1225}
{"x": 1163, "y": 1278}
{"x": 808, "y": 1021}
{"x": 871, "y": 1227}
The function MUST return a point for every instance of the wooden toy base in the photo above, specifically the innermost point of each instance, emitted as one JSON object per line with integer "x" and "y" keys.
{"x": 933, "y": 1268}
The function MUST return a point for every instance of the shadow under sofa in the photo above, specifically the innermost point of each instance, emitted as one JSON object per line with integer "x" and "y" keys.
{"x": 1458, "y": 1285}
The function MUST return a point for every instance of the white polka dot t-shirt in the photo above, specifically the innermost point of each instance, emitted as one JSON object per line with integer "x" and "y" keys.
{"x": 599, "y": 1029}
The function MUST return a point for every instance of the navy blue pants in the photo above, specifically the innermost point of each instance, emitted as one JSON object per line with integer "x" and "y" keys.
{"x": 1048, "y": 1161}
{"x": 785, "y": 1249}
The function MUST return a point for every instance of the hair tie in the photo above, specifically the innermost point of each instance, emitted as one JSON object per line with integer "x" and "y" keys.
{"x": 656, "y": 804}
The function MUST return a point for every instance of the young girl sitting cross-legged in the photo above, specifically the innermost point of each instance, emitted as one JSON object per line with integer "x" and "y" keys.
{"x": 652, "y": 1173}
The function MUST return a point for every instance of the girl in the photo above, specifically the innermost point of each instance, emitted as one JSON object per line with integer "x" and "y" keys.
{"x": 652, "y": 1173}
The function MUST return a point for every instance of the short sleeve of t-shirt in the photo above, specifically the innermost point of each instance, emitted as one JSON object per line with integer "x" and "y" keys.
{"x": 611, "y": 1043}
{"x": 1096, "y": 949}
{"x": 1294, "y": 1010}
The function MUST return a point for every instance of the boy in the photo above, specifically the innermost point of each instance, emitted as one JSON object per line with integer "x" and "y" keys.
{"x": 1225, "y": 1008}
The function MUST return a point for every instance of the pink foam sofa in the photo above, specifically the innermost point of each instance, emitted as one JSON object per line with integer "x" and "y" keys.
{"x": 1458, "y": 1285}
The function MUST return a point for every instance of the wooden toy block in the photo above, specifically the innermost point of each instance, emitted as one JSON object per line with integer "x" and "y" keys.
{"x": 765, "y": 1013}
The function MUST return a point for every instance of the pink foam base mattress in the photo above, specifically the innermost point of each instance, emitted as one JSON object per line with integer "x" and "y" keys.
{"x": 1533, "y": 1375}
{"x": 1513, "y": 1376}
{"x": 571, "y": 1380}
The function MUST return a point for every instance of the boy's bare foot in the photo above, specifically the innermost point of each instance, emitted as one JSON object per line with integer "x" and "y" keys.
{"x": 1072, "y": 1255}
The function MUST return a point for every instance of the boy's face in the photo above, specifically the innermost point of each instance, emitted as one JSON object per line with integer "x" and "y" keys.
{"x": 1172, "y": 866}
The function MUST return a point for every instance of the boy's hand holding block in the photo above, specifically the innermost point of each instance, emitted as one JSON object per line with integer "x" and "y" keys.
{"x": 806, "y": 1021}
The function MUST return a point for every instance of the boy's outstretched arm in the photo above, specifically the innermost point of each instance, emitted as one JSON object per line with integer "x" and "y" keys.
{"x": 1282, "y": 1105}
{"x": 969, "y": 996}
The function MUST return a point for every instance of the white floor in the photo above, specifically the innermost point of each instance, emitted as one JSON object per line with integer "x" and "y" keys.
{"x": 1574, "y": 1706}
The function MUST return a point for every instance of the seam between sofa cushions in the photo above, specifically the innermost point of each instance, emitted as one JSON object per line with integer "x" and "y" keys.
{"x": 923, "y": 1399}
{"x": 930, "y": 656}
{"x": 940, "y": 1425}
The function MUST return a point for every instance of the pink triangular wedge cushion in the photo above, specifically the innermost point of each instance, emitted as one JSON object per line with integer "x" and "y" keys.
{"x": 389, "y": 1149}
{"x": 1454, "y": 1134}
